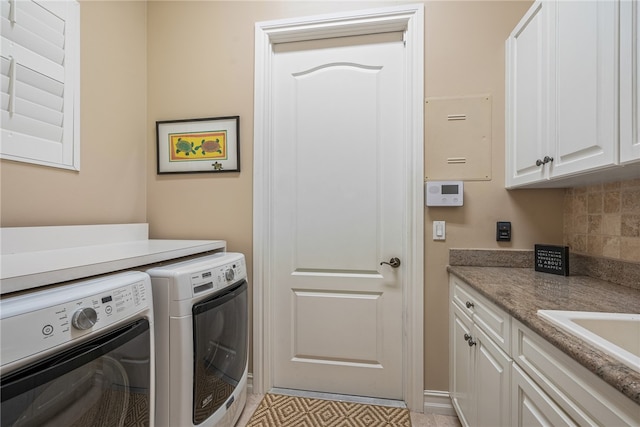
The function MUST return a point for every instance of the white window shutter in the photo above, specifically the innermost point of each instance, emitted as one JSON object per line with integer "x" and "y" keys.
{"x": 40, "y": 90}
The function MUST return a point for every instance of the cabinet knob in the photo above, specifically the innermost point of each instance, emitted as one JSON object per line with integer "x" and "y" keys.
{"x": 469, "y": 304}
{"x": 547, "y": 159}
{"x": 467, "y": 337}
{"x": 544, "y": 161}
{"x": 471, "y": 343}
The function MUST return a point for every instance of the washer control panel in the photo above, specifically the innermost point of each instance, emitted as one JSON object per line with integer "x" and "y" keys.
{"x": 218, "y": 277}
{"x": 61, "y": 315}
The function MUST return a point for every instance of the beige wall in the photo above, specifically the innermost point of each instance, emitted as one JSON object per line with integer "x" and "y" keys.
{"x": 464, "y": 55}
{"x": 201, "y": 65}
{"x": 196, "y": 60}
{"x": 604, "y": 220}
{"x": 110, "y": 187}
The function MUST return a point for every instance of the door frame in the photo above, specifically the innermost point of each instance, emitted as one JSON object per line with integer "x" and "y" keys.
{"x": 410, "y": 20}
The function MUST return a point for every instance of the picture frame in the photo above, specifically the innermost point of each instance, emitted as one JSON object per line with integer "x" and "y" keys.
{"x": 202, "y": 145}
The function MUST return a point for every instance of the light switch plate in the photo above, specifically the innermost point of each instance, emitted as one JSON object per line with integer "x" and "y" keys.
{"x": 439, "y": 230}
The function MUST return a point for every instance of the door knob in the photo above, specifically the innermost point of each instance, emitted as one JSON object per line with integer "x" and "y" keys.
{"x": 393, "y": 262}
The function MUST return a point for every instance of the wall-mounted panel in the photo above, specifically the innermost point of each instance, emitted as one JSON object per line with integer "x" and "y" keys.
{"x": 458, "y": 138}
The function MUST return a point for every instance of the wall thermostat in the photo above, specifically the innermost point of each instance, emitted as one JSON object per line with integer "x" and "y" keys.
{"x": 444, "y": 193}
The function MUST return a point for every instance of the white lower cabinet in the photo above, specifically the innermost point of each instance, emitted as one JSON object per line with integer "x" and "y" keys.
{"x": 481, "y": 370}
{"x": 461, "y": 377}
{"x": 578, "y": 393}
{"x": 492, "y": 376}
{"x": 504, "y": 374}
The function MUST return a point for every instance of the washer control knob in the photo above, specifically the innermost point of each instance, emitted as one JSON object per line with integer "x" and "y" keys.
{"x": 230, "y": 274}
{"x": 84, "y": 318}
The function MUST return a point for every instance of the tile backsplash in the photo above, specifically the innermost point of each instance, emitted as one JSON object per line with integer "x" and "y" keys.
{"x": 604, "y": 220}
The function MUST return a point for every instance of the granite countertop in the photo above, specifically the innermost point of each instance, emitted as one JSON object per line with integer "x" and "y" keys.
{"x": 521, "y": 292}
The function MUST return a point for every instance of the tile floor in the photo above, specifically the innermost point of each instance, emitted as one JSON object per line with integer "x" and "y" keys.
{"x": 417, "y": 420}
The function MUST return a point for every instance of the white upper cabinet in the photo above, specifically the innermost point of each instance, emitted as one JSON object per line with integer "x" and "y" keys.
{"x": 582, "y": 86}
{"x": 629, "y": 81}
{"x": 526, "y": 75}
{"x": 563, "y": 98}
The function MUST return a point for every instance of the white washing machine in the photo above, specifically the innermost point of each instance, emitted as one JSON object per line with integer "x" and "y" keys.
{"x": 201, "y": 314}
{"x": 80, "y": 354}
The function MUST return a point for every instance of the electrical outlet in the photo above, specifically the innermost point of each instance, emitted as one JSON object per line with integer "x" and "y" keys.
{"x": 439, "y": 230}
{"x": 503, "y": 231}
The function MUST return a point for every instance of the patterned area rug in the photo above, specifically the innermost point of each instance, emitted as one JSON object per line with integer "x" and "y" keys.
{"x": 287, "y": 411}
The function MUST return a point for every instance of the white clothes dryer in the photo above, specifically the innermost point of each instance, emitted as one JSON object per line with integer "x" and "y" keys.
{"x": 201, "y": 308}
{"x": 79, "y": 354}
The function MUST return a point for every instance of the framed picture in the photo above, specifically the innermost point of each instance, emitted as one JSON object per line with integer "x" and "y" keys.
{"x": 199, "y": 145}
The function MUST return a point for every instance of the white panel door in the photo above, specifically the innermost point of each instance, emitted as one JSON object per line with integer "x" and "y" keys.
{"x": 338, "y": 209}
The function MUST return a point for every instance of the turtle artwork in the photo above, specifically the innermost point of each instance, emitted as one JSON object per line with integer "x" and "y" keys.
{"x": 186, "y": 147}
{"x": 210, "y": 146}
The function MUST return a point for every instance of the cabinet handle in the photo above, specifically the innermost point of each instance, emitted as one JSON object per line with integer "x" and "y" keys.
{"x": 467, "y": 337}
{"x": 469, "y": 304}
{"x": 544, "y": 161}
{"x": 471, "y": 342}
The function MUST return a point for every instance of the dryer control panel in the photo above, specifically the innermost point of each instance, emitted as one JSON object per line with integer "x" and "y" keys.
{"x": 180, "y": 282}
{"x": 218, "y": 277}
{"x": 36, "y": 322}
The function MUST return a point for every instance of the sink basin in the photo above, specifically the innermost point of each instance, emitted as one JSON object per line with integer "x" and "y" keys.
{"x": 617, "y": 334}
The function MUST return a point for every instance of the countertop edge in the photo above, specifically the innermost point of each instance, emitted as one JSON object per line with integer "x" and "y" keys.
{"x": 21, "y": 271}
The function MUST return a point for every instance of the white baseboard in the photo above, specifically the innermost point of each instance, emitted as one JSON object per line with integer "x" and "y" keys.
{"x": 438, "y": 402}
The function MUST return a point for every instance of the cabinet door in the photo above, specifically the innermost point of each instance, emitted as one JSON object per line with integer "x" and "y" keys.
{"x": 584, "y": 85}
{"x": 629, "y": 81}
{"x": 526, "y": 97}
{"x": 461, "y": 375}
{"x": 531, "y": 406}
{"x": 492, "y": 379}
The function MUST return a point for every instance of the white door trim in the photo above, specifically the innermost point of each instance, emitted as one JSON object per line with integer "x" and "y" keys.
{"x": 407, "y": 18}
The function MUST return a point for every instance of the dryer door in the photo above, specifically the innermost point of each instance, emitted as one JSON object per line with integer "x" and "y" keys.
{"x": 220, "y": 339}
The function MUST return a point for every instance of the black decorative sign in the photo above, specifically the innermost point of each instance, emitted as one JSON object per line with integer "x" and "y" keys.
{"x": 552, "y": 259}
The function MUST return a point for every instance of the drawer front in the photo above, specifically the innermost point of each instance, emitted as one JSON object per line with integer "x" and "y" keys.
{"x": 493, "y": 320}
{"x": 462, "y": 296}
{"x": 583, "y": 396}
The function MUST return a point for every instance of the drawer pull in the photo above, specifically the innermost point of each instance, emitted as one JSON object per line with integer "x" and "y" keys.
{"x": 471, "y": 342}
{"x": 469, "y": 304}
{"x": 467, "y": 337}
